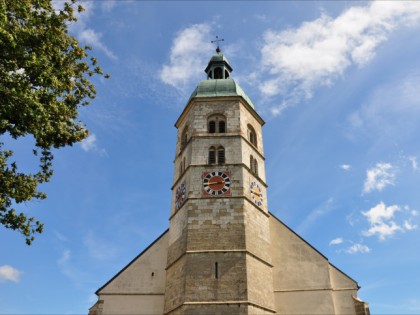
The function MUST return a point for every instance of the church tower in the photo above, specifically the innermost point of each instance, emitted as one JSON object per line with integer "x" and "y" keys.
{"x": 224, "y": 252}
{"x": 219, "y": 259}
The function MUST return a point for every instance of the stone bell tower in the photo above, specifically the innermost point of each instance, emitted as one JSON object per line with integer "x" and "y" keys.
{"x": 219, "y": 259}
{"x": 224, "y": 252}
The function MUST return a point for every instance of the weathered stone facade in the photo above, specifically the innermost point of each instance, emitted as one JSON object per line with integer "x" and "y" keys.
{"x": 224, "y": 252}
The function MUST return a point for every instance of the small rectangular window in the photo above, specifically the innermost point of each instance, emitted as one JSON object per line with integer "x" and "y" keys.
{"x": 216, "y": 270}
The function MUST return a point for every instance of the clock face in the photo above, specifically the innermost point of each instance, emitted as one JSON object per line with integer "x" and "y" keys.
{"x": 180, "y": 196}
{"x": 216, "y": 183}
{"x": 256, "y": 193}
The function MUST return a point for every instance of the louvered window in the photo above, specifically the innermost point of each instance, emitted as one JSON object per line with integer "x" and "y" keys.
{"x": 221, "y": 155}
{"x": 212, "y": 155}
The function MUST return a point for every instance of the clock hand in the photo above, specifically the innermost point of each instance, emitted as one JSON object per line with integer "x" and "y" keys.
{"x": 219, "y": 182}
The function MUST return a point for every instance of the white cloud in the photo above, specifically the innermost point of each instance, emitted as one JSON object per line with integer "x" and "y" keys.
{"x": 380, "y": 221}
{"x": 383, "y": 222}
{"x": 383, "y": 229}
{"x": 409, "y": 226}
{"x": 381, "y": 212}
{"x": 377, "y": 178}
{"x": 357, "y": 248}
{"x": 189, "y": 52}
{"x": 336, "y": 241}
{"x": 8, "y": 273}
{"x": 345, "y": 167}
{"x": 89, "y": 143}
{"x": 317, "y": 52}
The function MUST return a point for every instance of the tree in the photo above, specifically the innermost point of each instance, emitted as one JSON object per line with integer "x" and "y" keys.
{"x": 44, "y": 80}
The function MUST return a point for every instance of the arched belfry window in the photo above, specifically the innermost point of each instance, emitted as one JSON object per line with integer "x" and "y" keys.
{"x": 216, "y": 124}
{"x": 184, "y": 137}
{"x": 212, "y": 155}
{"x": 252, "y": 136}
{"x": 216, "y": 156}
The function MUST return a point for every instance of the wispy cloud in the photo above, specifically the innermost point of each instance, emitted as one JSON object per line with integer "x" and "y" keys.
{"x": 84, "y": 33}
{"x": 336, "y": 241}
{"x": 189, "y": 52}
{"x": 67, "y": 268}
{"x": 298, "y": 60}
{"x": 9, "y": 273}
{"x": 92, "y": 37}
{"x": 414, "y": 163}
{"x": 90, "y": 144}
{"x": 108, "y": 5}
{"x": 315, "y": 214}
{"x": 378, "y": 177}
{"x": 383, "y": 223}
{"x": 357, "y": 248}
{"x": 389, "y": 107}
{"x": 60, "y": 236}
{"x": 99, "y": 249}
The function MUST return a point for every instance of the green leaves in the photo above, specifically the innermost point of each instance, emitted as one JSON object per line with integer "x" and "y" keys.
{"x": 44, "y": 80}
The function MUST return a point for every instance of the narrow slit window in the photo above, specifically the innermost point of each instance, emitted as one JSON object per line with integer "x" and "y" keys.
{"x": 216, "y": 270}
{"x": 255, "y": 167}
{"x": 251, "y": 163}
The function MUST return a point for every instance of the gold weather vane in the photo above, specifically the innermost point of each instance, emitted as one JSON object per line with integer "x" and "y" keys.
{"x": 217, "y": 40}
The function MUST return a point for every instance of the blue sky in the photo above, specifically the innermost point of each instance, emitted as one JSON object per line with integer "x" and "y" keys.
{"x": 338, "y": 86}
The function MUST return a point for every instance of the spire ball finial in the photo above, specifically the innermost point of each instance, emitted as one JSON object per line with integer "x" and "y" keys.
{"x": 217, "y": 40}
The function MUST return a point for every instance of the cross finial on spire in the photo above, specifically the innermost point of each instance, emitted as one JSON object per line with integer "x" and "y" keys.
{"x": 217, "y": 40}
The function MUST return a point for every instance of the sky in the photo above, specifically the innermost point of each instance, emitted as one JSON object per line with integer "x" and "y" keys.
{"x": 337, "y": 83}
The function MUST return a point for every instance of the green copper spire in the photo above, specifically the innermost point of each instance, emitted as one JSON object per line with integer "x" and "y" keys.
{"x": 218, "y": 81}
